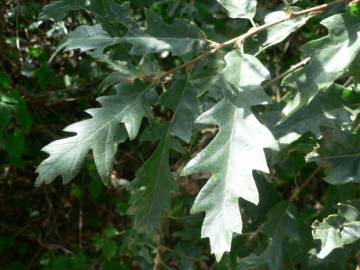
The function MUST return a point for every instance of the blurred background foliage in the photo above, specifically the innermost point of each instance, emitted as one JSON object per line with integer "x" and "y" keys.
{"x": 84, "y": 225}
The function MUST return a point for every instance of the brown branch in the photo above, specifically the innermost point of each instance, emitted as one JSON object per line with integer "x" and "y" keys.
{"x": 290, "y": 70}
{"x": 252, "y": 32}
{"x": 157, "y": 259}
{"x": 297, "y": 191}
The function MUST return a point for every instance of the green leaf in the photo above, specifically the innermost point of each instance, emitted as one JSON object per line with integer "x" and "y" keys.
{"x": 354, "y": 9}
{"x": 156, "y": 179}
{"x": 87, "y": 37}
{"x": 179, "y": 38}
{"x": 4, "y": 81}
{"x": 279, "y": 32}
{"x": 240, "y": 8}
{"x": 124, "y": 72}
{"x": 116, "y": 19}
{"x": 102, "y": 133}
{"x": 328, "y": 108}
{"x": 330, "y": 57}
{"x": 280, "y": 224}
{"x": 15, "y": 144}
{"x": 5, "y": 110}
{"x": 242, "y": 76}
{"x": 354, "y": 71}
{"x": 12, "y": 105}
{"x": 58, "y": 9}
{"x": 155, "y": 175}
{"x": 113, "y": 17}
{"x": 234, "y": 153}
{"x": 182, "y": 98}
{"x": 339, "y": 151}
{"x": 337, "y": 230}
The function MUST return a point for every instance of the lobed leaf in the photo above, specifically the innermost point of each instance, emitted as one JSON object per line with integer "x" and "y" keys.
{"x": 113, "y": 17}
{"x": 58, "y": 9}
{"x": 330, "y": 57}
{"x": 179, "y": 38}
{"x": 120, "y": 116}
{"x": 234, "y": 153}
{"x": 337, "y": 230}
{"x": 87, "y": 37}
{"x": 279, "y": 32}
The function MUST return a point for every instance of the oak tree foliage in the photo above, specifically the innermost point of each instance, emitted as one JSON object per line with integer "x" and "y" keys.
{"x": 258, "y": 117}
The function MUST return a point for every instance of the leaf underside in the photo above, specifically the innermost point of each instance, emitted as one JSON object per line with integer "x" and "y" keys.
{"x": 330, "y": 56}
{"x": 119, "y": 118}
{"x": 337, "y": 230}
{"x": 234, "y": 153}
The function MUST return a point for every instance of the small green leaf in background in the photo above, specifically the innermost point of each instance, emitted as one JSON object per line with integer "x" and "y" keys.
{"x": 15, "y": 146}
{"x": 114, "y": 266}
{"x": 280, "y": 224}
{"x": 4, "y": 81}
{"x": 354, "y": 9}
{"x": 13, "y": 106}
{"x": 120, "y": 114}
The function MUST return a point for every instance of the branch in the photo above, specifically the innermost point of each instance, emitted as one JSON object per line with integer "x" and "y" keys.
{"x": 290, "y": 70}
{"x": 252, "y": 32}
{"x": 297, "y": 191}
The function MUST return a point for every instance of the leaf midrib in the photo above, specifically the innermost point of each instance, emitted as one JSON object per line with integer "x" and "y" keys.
{"x": 109, "y": 122}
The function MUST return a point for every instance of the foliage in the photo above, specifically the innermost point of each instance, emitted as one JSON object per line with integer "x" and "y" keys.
{"x": 238, "y": 121}
{"x": 337, "y": 230}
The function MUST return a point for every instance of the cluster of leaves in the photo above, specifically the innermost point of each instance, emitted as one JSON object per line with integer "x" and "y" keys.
{"x": 37, "y": 98}
{"x": 270, "y": 139}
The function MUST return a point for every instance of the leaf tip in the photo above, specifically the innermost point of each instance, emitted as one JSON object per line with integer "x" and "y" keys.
{"x": 38, "y": 182}
{"x": 218, "y": 256}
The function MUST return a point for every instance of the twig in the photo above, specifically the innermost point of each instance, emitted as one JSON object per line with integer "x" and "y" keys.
{"x": 297, "y": 191}
{"x": 290, "y": 70}
{"x": 252, "y": 32}
{"x": 157, "y": 260}
{"x": 239, "y": 40}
